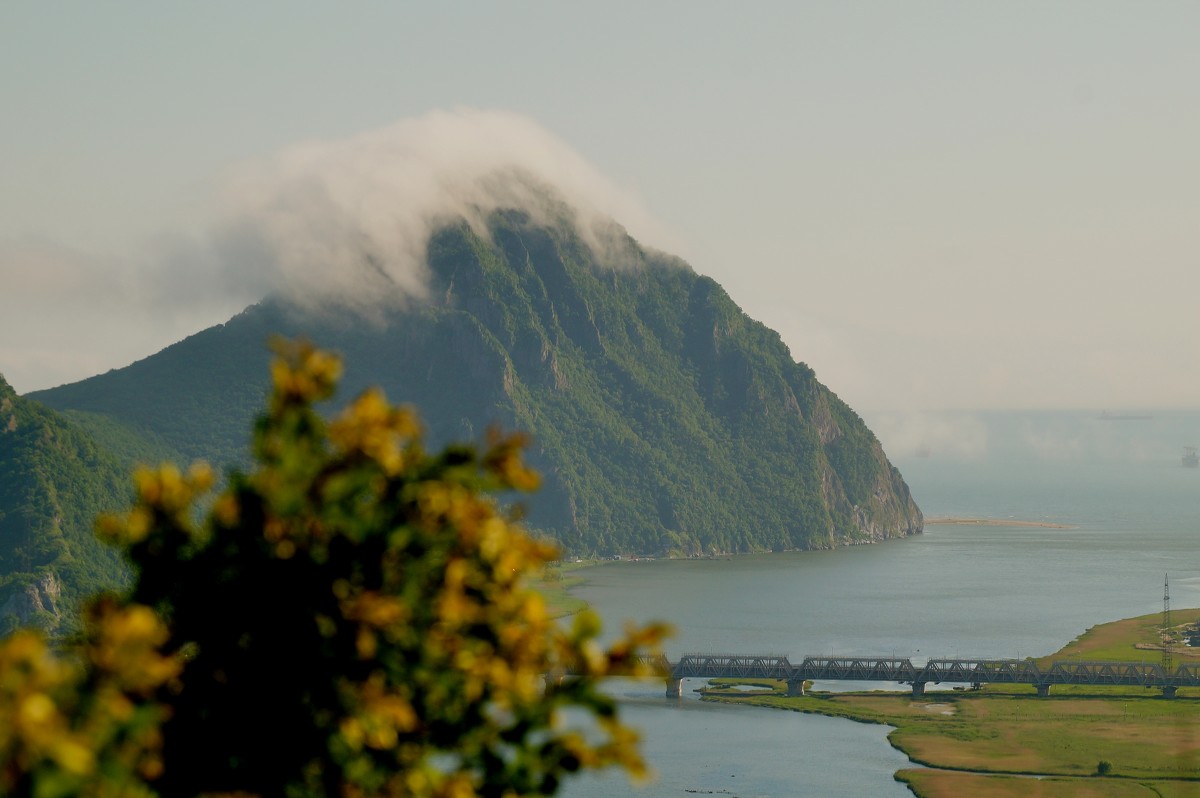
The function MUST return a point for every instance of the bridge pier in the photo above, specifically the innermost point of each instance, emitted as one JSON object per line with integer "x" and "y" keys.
{"x": 918, "y": 689}
{"x": 1043, "y": 690}
{"x": 674, "y": 687}
{"x": 795, "y": 687}
{"x": 1169, "y": 691}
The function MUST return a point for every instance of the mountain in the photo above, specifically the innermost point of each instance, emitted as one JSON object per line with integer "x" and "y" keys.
{"x": 663, "y": 418}
{"x": 54, "y": 480}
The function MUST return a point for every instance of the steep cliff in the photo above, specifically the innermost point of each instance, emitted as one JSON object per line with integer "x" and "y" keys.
{"x": 663, "y": 418}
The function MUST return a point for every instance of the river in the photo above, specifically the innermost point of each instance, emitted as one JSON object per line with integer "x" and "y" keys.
{"x": 957, "y": 590}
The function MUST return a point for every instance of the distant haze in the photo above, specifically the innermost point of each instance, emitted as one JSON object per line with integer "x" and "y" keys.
{"x": 936, "y": 204}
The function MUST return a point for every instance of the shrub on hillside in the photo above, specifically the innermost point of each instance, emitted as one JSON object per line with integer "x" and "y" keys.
{"x": 353, "y": 617}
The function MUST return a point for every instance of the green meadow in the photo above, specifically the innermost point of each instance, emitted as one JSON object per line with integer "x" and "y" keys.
{"x": 555, "y": 586}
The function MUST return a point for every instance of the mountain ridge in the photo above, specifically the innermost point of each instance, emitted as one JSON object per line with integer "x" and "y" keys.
{"x": 664, "y": 419}
{"x": 54, "y": 480}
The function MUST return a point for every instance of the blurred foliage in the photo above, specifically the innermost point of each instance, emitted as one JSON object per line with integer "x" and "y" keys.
{"x": 86, "y": 724}
{"x": 352, "y": 617}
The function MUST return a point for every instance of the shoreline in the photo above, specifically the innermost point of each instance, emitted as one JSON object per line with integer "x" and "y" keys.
{"x": 1003, "y": 741}
{"x": 964, "y": 521}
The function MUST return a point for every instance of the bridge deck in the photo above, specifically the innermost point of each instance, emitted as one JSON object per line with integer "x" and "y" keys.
{"x": 934, "y": 671}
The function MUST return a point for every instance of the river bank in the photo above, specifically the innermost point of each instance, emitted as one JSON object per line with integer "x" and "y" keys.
{"x": 1080, "y": 741}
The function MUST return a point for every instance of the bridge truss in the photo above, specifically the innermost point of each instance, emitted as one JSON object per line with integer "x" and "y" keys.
{"x": 934, "y": 671}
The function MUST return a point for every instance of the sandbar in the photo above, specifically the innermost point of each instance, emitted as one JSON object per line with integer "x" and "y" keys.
{"x": 995, "y": 522}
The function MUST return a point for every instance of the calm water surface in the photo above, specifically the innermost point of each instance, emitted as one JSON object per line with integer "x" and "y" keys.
{"x": 965, "y": 591}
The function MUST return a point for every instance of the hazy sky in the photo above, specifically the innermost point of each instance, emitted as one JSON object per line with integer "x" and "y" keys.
{"x": 937, "y": 205}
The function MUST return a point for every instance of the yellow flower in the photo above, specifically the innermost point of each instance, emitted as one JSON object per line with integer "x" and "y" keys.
{"x": 74, "y": 756}
{"x": 37, "y": 712}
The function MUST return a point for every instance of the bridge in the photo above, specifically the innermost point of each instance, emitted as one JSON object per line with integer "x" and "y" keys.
{"x": 934, "y": 671}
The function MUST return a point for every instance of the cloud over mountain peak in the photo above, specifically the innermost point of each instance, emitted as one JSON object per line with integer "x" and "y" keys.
{"x": 349, "y": 220}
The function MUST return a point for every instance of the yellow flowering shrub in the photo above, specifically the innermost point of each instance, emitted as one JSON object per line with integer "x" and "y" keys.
{"x": 351, "y": 618}
{"x": 85, "y": 725}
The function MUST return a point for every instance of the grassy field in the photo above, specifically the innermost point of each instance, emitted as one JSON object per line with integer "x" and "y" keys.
{"x": 1131, "y": 639}
{"x": 945, "y": 784}
{"x": 1000, "y": 735}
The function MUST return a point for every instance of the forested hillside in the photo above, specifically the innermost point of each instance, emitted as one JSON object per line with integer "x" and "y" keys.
{"x": 54, "y": 480}
{"x": 663, "y": 418}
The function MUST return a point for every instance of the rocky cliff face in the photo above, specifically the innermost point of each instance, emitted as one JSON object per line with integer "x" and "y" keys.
{"x": 664, "y": 420}
{"x": 35, "y": 603}
{"x": 882, "y": 506}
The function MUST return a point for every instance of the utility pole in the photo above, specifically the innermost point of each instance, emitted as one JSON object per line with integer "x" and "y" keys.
{"x": 1168, "y": 664}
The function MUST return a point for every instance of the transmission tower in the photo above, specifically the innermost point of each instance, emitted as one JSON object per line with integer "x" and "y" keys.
{"x": 1167, "y": 663}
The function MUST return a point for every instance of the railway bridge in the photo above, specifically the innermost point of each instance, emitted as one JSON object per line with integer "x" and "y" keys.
{"x": 934, "y": 671}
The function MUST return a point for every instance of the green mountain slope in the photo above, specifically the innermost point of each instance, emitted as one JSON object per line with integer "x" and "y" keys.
{"x": 54, "y": 480}
{"x": 664, "y": 419}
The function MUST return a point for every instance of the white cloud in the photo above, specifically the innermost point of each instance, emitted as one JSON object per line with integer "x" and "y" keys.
{"x": 350, "y": 219}
{"x": 345, "y": 219}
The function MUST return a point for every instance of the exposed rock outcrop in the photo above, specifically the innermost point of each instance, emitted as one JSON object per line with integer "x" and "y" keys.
{"x": 35, "y": 603}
